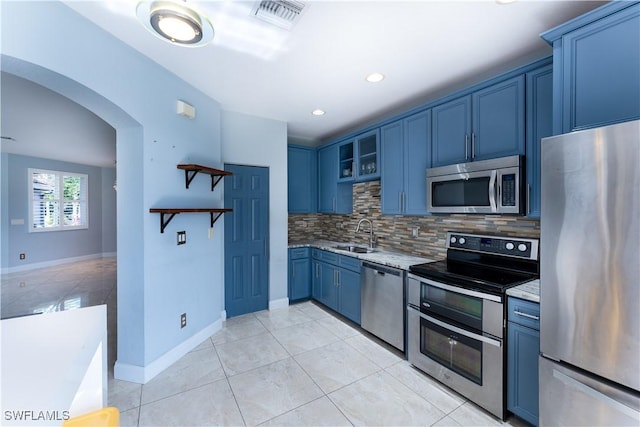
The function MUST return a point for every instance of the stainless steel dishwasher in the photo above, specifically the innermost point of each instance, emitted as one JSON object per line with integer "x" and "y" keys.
{"x": 382, "y": 302}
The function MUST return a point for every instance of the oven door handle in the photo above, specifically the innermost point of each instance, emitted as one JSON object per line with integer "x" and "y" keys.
{"x": 456, "y": 289}
{"x": 456, "y": 329}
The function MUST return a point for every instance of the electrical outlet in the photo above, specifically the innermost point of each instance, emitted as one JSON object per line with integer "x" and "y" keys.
{"x": 23, "y": 256}
{"x": 415, "y": 232}
{"x": 183, "y": 320}
{"x": 182, "y": 237}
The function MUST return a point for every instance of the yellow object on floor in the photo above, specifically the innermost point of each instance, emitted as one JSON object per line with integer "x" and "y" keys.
{"x": 105, "y": 417}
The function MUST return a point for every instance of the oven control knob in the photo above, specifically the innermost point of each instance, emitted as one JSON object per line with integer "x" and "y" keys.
{"x": 453, "y": 239}
{"x": 509, "y": 246}
{"x": 462, "y": 240}
{"x": 522, "y": 247}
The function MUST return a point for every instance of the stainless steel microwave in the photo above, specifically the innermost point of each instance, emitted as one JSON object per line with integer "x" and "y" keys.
{"x": 492, "y": 186}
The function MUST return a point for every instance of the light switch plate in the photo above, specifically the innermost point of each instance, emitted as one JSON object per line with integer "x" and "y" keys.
{"x": 182, "y": 237}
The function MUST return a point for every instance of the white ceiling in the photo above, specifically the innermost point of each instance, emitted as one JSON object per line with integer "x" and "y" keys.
{"x": 425, "y": 48}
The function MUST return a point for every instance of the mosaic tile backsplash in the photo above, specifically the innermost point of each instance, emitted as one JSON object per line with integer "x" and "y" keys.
{"x": 396, "y": 232}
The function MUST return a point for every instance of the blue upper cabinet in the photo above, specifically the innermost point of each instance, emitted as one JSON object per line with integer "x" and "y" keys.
{"x": 596, "y": 68}
{"x": 333, "y": 197}
{"x": 539, "y": 125}
{"x": 392, "y": 167}
{"x": 367, "y": 159}
{"x": 358, "y": 158}
{"x": 405, "y": 156}
{"x": 346, "y": 161}
{"x": 498, "y": 120}
{"x": 488, "y": 123}
{"x": 302, "y": 179}
{"x": 451, "y": 131}
{"x": 327, "y": 173}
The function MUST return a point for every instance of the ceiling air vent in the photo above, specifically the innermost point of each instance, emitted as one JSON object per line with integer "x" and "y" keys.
{"x": 283, "y": 13}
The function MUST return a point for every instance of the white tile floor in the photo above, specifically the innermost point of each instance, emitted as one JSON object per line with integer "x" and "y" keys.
{"x": 295, "y": 366}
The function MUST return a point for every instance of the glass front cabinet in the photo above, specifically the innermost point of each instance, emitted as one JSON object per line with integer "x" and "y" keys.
{"x": 359, "y": 159}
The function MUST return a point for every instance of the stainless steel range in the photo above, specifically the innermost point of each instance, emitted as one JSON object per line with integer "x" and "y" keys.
{"x": 456, "y": 313}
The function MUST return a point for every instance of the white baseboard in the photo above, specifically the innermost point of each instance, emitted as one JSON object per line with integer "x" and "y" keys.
{"x": 143, "y": 374}
{"x": 278, "y": 303}
{"x": 56, "y": 262}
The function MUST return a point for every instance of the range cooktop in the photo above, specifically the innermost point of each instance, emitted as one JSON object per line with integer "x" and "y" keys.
{"x": 486, "y": 263}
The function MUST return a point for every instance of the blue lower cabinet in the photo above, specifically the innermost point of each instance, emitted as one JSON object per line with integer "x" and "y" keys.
{"x": 315, "y": 279}
{"x": 299, "y": 274}
{"x": 328, "y": 286}
{"x": 523, "y": 349}
{"x": 335, "y": 282}
{"x": 349, "y": 294}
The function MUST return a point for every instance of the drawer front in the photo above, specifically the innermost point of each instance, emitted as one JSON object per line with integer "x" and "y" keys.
{"x": 326, "y": 256}
{"x": 350, "y": 263}
{"x": 297, "y": 253}
{"x": 525, "y": 313}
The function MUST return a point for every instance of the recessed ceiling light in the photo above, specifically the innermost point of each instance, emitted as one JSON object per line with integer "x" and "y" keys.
{"x": 318, "y": 112}
{"x": 175, "y": 22}
{"x": 505, "y": 1}
{"x": 375, "y": 77}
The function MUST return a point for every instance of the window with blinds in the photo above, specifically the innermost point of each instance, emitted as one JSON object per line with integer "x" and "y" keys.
{"x": 58, "y": 200}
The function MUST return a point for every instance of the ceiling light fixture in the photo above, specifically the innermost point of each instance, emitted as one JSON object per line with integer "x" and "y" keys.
{"x": 375, "y": 77}
{"x": 175, "y": 22}
{"x": 318, "y": 112}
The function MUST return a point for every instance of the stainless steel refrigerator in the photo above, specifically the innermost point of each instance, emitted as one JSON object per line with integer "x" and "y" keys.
{"x": 590, "y": 278}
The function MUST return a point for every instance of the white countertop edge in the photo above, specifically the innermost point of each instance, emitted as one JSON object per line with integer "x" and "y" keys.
{"x": 380, "y": 256}
{"x": 529, "y": 291}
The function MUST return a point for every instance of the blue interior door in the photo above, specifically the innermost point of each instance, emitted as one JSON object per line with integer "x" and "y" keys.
{"x": 246, "y": 235}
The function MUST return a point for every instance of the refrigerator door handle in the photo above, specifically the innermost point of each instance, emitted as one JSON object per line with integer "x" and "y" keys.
{"x": 600, "y": 395}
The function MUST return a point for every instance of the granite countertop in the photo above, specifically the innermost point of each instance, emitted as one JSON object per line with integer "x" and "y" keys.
{"x": 380, "y": 256}
{"x": 529, "y": 291}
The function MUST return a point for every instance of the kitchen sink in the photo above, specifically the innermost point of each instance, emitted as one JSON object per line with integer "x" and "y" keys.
{"x": 355, "y": 249}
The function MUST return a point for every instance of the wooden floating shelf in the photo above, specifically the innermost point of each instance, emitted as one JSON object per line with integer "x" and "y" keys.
{"x": 191, "y": 170}
{"x": 171, "y": 212}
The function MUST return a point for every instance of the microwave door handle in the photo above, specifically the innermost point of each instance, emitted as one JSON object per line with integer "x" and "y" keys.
{"x": 492, "y": 191}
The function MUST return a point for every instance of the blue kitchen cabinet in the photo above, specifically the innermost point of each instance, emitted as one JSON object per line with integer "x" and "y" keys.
{"x": 315, "y": 279}
{"x": 539, "y": 125}
{"x": 349, "y": 287}
{"x": 392, "y": 176}
{"x": 523, "y": 349}
{"x": 329, "y": 285}
{"x": 486, "y": 124}
{"x": 498, "y": 120}
{"x": 299, "y": 274}
{"x": 336, "y": 283}
{"x": 349, "y": 294}
{"x": 358, "y": 158}
{"x": 596, "y": 68}
{"x": 327, "y": 184}
{"x": 346, "y": 161}
{"x": 405, "y": 156}
{"x": 333, "y": 196}
{"x": 302, "y": 179}
{"x": 451, "y": 131}
{"x": 367, "y": 159}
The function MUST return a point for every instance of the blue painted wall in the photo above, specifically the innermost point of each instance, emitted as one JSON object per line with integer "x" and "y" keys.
{"x": 50, "y": 44}
{"x": 44, "y": 247}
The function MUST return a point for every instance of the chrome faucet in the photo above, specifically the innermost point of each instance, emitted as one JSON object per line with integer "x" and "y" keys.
{"x": 372, "y": 240}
